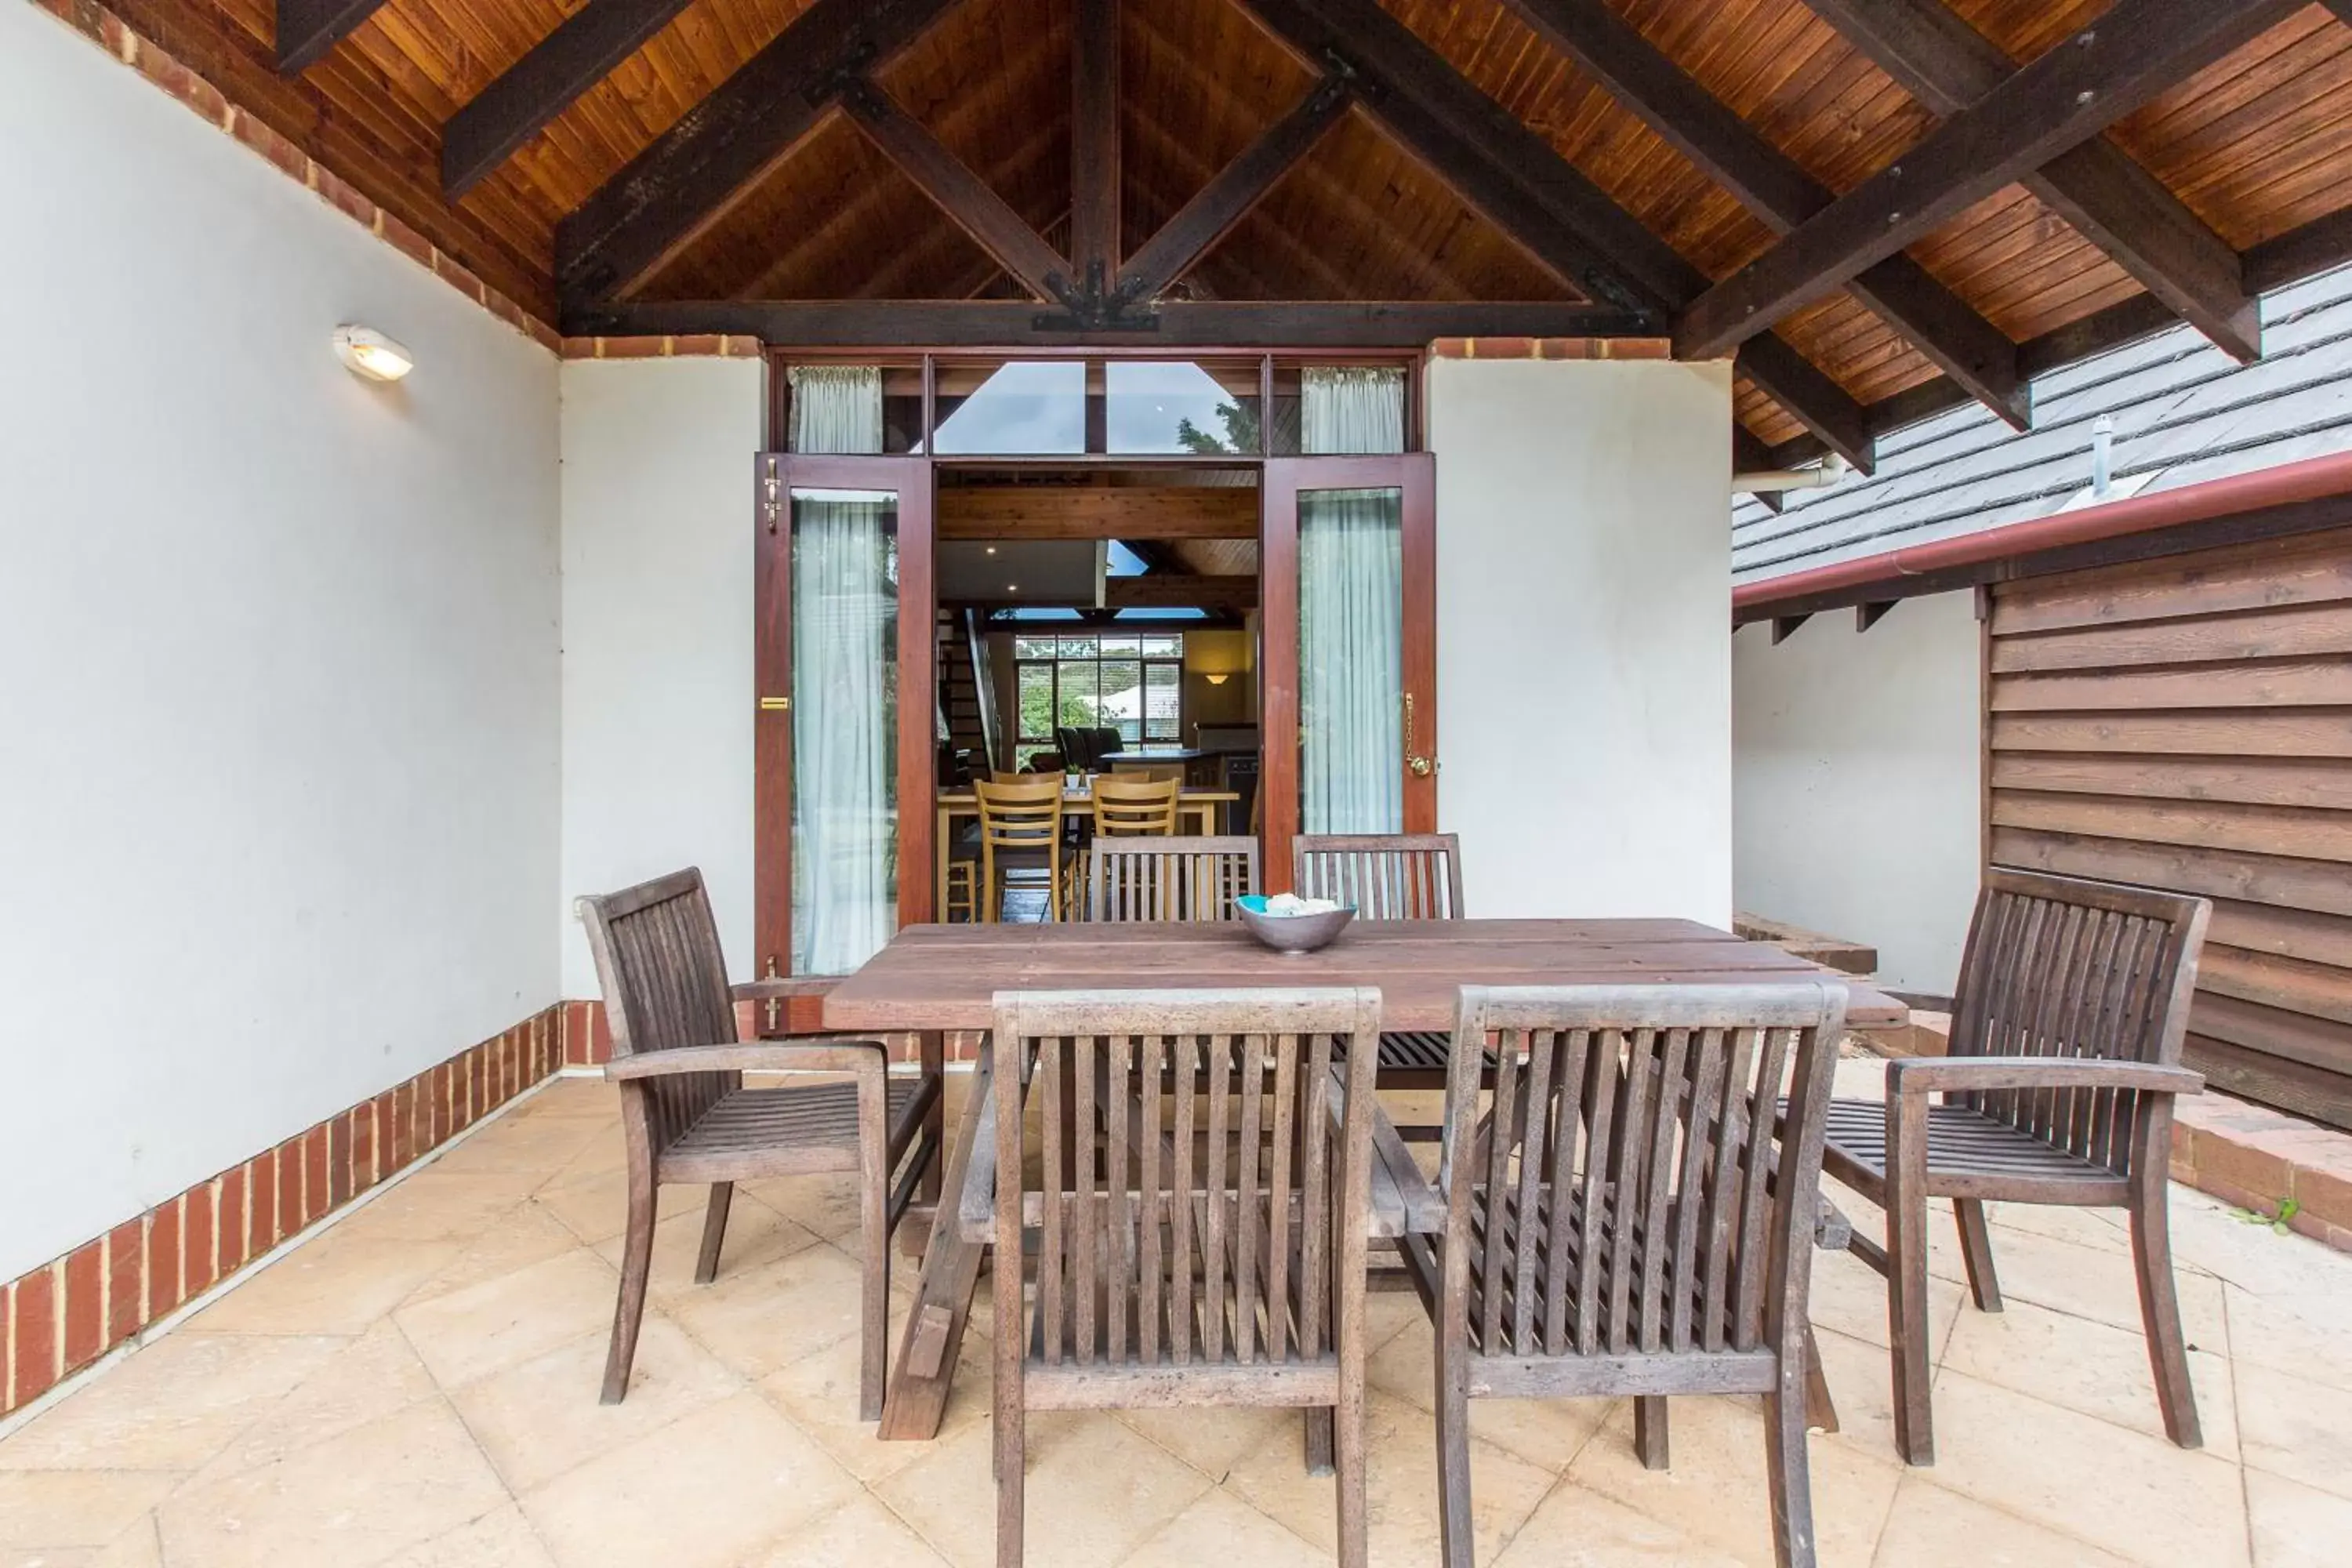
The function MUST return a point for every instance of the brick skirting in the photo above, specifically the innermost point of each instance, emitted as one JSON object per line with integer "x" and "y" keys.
{"x": 71, "y": 1311}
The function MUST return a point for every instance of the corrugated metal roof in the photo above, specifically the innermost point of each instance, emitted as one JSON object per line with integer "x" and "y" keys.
{"x": 2183, "y": 412}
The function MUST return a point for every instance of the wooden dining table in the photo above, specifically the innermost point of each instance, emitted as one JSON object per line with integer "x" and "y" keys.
{"x": 938, "y": 977}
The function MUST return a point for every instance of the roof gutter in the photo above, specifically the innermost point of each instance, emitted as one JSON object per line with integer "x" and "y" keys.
{"x": 2054, "y": 543}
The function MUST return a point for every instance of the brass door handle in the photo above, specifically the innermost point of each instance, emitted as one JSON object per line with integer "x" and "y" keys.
{"x": 1419, "y": 766}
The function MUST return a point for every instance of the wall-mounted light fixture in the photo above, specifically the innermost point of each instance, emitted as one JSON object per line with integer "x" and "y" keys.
{"x": 368, "y": 353}
{"x": 1219, "y": 676}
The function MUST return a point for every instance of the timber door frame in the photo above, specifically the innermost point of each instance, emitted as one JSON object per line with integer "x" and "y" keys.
{"x": 1414, "y": 474}
{"x": 909, "y": 479}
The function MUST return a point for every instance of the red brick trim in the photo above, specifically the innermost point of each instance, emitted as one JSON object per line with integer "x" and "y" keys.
{"x": 71, "y": 1311}
{"x": 701, "y": 345}
{"x": 1552, "y": 348}
{"x": 114, "y": 36}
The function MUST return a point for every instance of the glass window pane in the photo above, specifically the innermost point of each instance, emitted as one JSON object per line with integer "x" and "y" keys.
{"x": 1122, "y": 699}
{"x": 1165, "y": 645}
{"x": 1078, "y": 701}
{"x": 1181, "y": 407}
{"x": 1128, "y": 646}
{"x": 1079, "y": 647}
{"x": 1036, "y": 703}
{"x": 1021, "y": 407}
{"x": 1033, "y": 647}
{"x": 1162, "y": 700}
{"x": 844, "y": 827}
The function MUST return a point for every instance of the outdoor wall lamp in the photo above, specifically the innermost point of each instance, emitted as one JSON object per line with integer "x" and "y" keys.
{"x": 369, "y": 353}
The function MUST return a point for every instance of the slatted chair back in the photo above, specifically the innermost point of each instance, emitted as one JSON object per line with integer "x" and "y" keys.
{"x": 1229, "y": 1223}
{"x": 665, "y": 986}
{"x": 1182, "y": 878}
{"x": 1386, "y": 875}
{"x": 1620, "y": 1206}
{"x": 2061, "y": 967}
{"x": 1126, "y": 804}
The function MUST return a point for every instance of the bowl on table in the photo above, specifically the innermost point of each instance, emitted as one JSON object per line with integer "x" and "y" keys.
{"x": 1292, "y": 925}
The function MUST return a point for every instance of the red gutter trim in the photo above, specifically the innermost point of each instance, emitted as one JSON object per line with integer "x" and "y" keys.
{"x": 2288, "y": 482}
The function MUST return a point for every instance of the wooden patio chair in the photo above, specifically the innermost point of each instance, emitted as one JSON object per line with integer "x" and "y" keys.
{"x": 1222, "y": 1261}
{"x": 2073, "y": 997}
{"x": 1180, "y": 879}
{"x": 1611, "y": 1227}
{"x": 687, "y": 1116}
{"x": 1391, "y": 876}
{"x": 1021, "y": 832}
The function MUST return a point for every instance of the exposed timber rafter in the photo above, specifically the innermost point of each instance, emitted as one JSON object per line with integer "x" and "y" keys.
{"x": 1751, "y": 455}
{"x": 1934, "y": 54}
{"x": 2074, "y": 91}
{"x": 1171, "y": 323}
{"x": 682, "y": 183}
{"x": 1229, "y": 197}
{"x": 306, "y": 30}
{"x": 1095, "y": 148}
{"x": 1963, "y": 344}
{"x": 583, "y": 50}
{"x": 964, "y": 197}
{"x": 1526, "y": 189}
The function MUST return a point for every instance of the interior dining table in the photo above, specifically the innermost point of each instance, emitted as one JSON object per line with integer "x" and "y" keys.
{"x": 1196, "y": 806}
{"x": 945, "y": 978}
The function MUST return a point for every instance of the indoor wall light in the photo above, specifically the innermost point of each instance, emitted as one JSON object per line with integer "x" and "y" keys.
{"x": 368, "y": 353}
{"x": 1219, "y": 676}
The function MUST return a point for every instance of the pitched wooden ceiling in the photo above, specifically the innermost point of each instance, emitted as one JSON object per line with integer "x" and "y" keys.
{"x": 1719, "y": 126}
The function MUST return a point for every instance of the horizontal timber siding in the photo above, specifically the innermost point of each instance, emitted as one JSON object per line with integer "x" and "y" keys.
{"x": 2187, "y": 723}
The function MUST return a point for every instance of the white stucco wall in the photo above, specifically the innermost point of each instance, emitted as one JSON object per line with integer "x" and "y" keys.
{"x": 1583, "y": 643}
{"x": 1857, "y": 769}
{"x": 277, "y": 661}
{"x": 657, "y": 635}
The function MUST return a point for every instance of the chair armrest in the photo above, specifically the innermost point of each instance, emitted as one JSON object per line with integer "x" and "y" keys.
{"x": 1919, "y": 1075}
{"x": 784, "y": 988}
{"x": 766, "y": 1055}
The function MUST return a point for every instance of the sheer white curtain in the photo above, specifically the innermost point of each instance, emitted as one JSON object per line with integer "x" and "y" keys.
{"x": 1352, "y": 611}
{"x": 845, "y": 684}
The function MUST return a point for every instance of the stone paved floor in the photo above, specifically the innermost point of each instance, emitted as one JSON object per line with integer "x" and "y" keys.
{"x": 417, "y": 1386}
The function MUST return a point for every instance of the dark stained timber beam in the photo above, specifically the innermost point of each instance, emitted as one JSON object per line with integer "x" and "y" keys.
{"x": 306, "y": 30}
{"x": 2075, "y": 90}
{"x": 1934, "y": 55}
{"x": 1227, "y": 198}
{"x": 1963, "y": 344}
{"x": 2320, "y": 246}
{"x": 1751, "y": 456}
{"x": 1526, "y": 189}
{"x": 964, "y": 195}
{"x": 583, "y": 50}
{"x": 1094, "y": 145}
{"x": 686, "y": 179}
{"x": 999, "y": 324}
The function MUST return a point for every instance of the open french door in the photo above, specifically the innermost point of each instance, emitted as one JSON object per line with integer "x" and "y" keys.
{"x": 847, "y": 728}
{"x": 1347, "y": 564}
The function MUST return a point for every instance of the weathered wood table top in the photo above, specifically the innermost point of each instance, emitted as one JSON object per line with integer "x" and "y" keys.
{"x": 943, "y": 977}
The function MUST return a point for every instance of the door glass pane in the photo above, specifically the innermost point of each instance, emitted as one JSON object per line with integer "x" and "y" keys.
{"x": 845, "y": 577}
{"x": 1020, "y": 408}
{"x": 1351, "y": 661}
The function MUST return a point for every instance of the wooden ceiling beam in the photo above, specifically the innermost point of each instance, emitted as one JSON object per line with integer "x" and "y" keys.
{"x": 2075, "y": 90}
{"x": 1228, "y": 198}
{"x": 1751, "y": 456}
{"x": 1962, "y": 344}
{"x": 961, "y": 194}
{"x": 1525, "y": 188}
{"x": 584, "y": 50}
{"x": 1173, "y": 324}
{"x": 306, "y": 30}
{"x": 1094, "y": 146}
{"x": 1169, "y": 591}
{"x": 2320, "y": 246}
{"x": 686, "y": 179}
{"x": 1936, "y": 57}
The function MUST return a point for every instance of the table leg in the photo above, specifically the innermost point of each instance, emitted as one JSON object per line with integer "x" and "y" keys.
{"x": 917, "y": 1393}
{"x": 931, "y": 1047}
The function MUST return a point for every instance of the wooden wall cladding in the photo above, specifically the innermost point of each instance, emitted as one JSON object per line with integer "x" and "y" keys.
{"x": 2187, "y": 723}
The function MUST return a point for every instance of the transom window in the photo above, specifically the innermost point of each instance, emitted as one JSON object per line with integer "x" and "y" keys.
{"x": 1128, "y": 681}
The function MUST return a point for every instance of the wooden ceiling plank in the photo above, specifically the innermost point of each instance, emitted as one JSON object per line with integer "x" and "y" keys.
{"x": 683, "y": 181}
{"x": 306, "y": 30}
{"x": 1073, "y": 512}
{"x": 1094, "y": 146}
{"x": 961, "y": 194}
{"x": 1174, "y": 323}
{"x": 1938, "y": 59}
{"x": 582, "y": 51}
{"x": 1228, "y": 198}
{"x": 2074, "y": 91}
{"x": 1962, "y": 344}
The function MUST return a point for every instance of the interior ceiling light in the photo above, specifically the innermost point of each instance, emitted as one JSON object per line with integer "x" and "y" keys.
{"x": 368, "y": 353}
